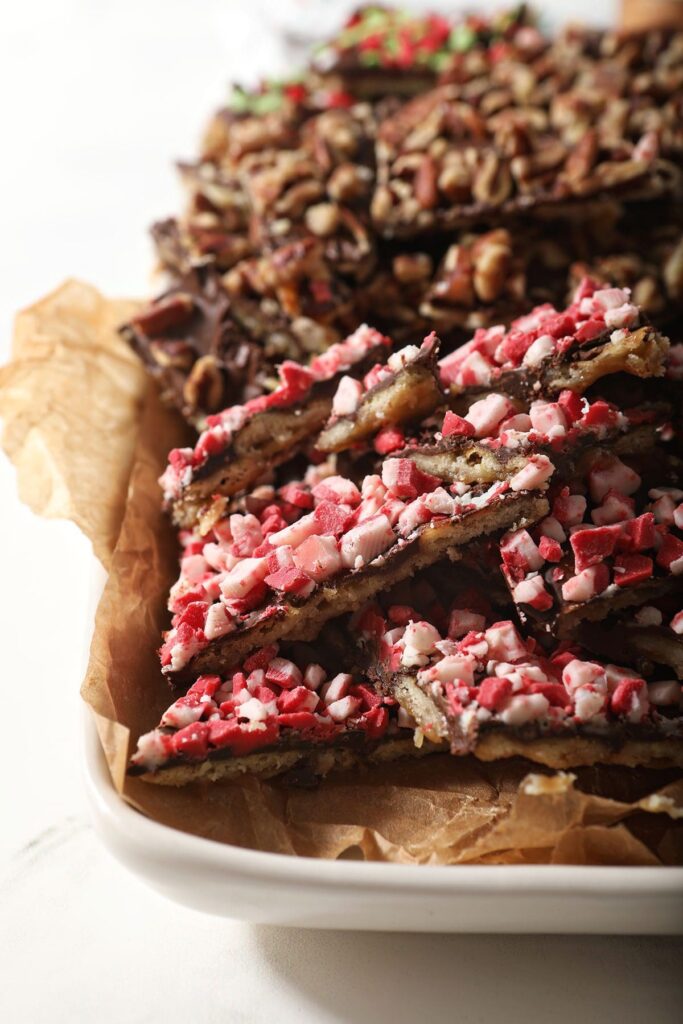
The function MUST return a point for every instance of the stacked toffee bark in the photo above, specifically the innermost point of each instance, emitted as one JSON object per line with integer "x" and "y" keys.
{"x": 415, "y": 311}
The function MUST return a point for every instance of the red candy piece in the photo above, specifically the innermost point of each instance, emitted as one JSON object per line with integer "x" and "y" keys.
{"x": 368, "y": 696}
{"x": 193, "y": 615}
{"x": 205, "y": 685}
{"x": 305, "y": 721}
{"x": 638, "y": 534}
{"x": 406, "y": 480}
{"x": 600, "y": 414}
{"x": 374, "y": 722}
{"x": 593, "y": 546}
{"x": 456, "y": 425}
{"x": 550, "y": 549}
{"x": 558, "y": 325}
{"x": 631, "y": 569}
{"x": 571, "y": 405}
{"x": 260, "y": 659}
{"x": 389, "y": 439}
{"x": 402, "y": 614}
{"x": 242, "y": 740}
{"x": 293, "y": 494}
{"x": 622, "y": 698}
{"x": 492, "y": 692}
{"x": 332, "y": 519}
{"x": 589, "y": 330}
{"x": 514, "y": 345}
{"x": 293, "y": 700}
{"x": 671, "y": 550}
{"x": 554, "y": 693}
{"x": 296, "y": 381}
{"x": 288, "y": 580}
{"x": 192, "y": 741}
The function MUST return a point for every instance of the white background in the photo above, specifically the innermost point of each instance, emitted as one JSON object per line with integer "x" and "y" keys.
{"x": 96, "y": 99}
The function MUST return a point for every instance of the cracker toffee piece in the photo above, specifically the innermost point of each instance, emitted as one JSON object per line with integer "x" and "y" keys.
{"x": 324, "y": 547}
{"x": 487, "y": 691}
{"x": 468, "y": 447}
{"x": 610, "y": 542}
{"x": 548, "y": 351}
{"x": 241, "y": 443}
{"x": 273, "y": 714}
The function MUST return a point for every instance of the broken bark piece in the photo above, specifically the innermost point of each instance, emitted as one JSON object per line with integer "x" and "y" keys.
{"x": 403, "y": 390}
{"x": 322, "y": 549}
{"x": 546, "y": 351}
{"x": 611, "y": 542}
{"x": 194, "y": 347}
{"x": 276, "y": 712}
{"x": 446, "y": 162}
{"x": 486, "y": 690}
{"x": 387, "y": 52}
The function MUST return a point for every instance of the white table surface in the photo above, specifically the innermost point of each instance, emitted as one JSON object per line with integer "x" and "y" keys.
{"x": 96, "y": 100}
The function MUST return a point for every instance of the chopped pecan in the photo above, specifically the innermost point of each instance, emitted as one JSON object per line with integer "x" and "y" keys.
{"x": 581, "y": 160}
{"x": 203, "y": 388}
{"x": 349, "y": 182}
{"x": 408, "y": 268}
{"x": 165, "y": 314}
{"x": 492, "y": 183}
{"x": 172, "y": 354}
{"x": 323, "y": 219}
{"x": 426, "y": 191}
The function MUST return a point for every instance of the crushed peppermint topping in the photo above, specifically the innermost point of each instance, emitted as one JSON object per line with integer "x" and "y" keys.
{"x": 351, "y": 392}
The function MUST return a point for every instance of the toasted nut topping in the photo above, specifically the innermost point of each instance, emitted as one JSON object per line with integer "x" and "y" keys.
{"x": 323, "y": 219}
{"x": 176, "y": 354}
{"x": 411, "y": 267}
{"x": 165, "y": 314}
{"x": 204, "y": 387}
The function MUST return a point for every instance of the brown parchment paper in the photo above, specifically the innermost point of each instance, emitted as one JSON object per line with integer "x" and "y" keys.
{"x": 89, "y": 437}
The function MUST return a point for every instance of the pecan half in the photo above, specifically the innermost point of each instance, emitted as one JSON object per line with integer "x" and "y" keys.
{"x": 161, "y": 316}
{"x": 426, "y": 191}
{"x": 204, "y": 387}
{"x": 492, "y": 183}
{"x": 177, "y": 355}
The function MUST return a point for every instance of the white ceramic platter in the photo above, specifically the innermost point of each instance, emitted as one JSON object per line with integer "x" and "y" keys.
{"x": 270, "y": 888}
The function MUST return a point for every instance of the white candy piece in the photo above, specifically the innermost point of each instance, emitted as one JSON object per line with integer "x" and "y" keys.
{"x": 525, "y": 708}
{"x": 347, "y": 397}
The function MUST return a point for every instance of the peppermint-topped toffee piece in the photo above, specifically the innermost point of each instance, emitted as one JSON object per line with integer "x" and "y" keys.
{"x": 275, "y": 712}
{"x": 599, "y": 334}
{"x": 611, "y": 541}
{"x": 487, "y": 690}
{"x": 403, "y": 389}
